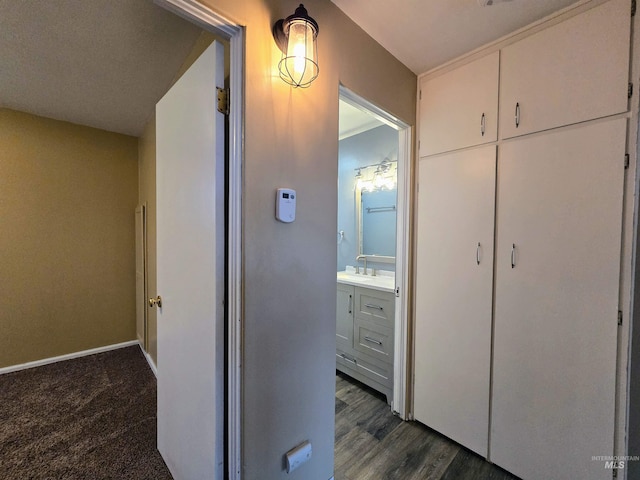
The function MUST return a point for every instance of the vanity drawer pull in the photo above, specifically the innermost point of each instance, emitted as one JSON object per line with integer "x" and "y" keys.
{"x": 352, "y": 360}
{"x": 371, "y": 305}
{"x": 373, "y": 340}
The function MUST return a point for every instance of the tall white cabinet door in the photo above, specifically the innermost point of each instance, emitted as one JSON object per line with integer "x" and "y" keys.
{"x": 460, "y": 108}
{"x": 454, "y": 294}
{"x": 568, "y": 73}
{"x": 559, "y": 222}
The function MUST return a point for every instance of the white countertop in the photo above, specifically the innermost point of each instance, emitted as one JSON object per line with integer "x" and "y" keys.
{"x": 384, "y": 280}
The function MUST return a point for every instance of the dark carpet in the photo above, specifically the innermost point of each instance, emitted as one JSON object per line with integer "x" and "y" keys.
{"x": 87, "y": 418}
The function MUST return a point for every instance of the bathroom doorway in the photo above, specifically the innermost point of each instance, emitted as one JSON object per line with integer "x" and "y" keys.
{"x": 372, "y": 249}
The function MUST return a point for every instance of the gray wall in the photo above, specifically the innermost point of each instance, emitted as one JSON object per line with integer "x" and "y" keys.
{"x": 366, "y": 148}
{"x": 289, "y": 276}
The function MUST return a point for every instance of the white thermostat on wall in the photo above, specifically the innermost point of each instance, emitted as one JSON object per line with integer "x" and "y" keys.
{"x": 286, "y": 205}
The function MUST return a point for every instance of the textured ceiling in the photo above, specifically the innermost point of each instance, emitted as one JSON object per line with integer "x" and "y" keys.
{"x": 423, "y": 34}
{"x": 101, "y": 63}
{"x": 105, "y": 63}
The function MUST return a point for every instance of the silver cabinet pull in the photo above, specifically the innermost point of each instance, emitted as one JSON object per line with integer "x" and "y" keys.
{"x": 371, "y": 305}
{"x": 517, "y": 115}
{"x": 482, "y": 124}
{"x": 478, "y": 254}
{"x": 351, "y": 360}
{"x": 373, "y": 340}
{"x": 350, "y": 300}
{"x": 513, "y": 255}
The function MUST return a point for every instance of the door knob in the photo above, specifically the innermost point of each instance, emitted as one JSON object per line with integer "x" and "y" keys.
{"x": 156, "y": 301}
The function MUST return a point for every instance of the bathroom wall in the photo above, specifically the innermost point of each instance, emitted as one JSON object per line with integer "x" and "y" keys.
{"x": 365, "y": 148}
{"x": 67, "y": 269}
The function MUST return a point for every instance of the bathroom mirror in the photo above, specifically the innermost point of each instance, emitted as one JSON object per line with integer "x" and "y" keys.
{"x": 376, "y": 223}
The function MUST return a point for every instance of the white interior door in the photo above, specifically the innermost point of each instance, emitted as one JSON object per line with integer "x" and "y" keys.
{"x": 454, "y": 285}
{"x": 190, "y": 233}
{"x": 558, "y": 243}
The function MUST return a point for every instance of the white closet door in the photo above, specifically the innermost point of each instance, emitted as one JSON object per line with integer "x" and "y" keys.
{"x": 459, "y": 108}
{"x": 454, "y": 294}
{"x": 574, "y": 71}
{"x": 555, "y": 328}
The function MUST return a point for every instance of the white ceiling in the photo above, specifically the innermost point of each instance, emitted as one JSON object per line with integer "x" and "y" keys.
{"x": 101, "y": 63}
{"x": 423, "y": 34}
{"x": 105, "y": 63}
{"x": 353, "y": 120}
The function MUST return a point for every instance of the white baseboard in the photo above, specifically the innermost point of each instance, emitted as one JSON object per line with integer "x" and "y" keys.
{"x": 69, "y": 356}
{"x": 150, "y": 361}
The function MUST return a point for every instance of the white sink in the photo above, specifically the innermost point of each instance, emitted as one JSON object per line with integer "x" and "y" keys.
{"x": 384, "y": 281}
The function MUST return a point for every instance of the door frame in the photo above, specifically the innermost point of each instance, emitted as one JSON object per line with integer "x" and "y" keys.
{"x": 144, "y": 342}
{"x": 401, "y": 386}
{"x": 207, "y": 19}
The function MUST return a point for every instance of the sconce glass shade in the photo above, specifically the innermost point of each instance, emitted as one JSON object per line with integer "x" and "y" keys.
{"x": 297, "y": 38}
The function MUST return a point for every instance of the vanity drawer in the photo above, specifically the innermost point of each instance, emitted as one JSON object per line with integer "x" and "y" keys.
{"x": 367, "y": 367}
{"x": 375, "y": 306}
{"x": 373, "y": 339}
{"x": 344, "y": 359}
{"x": 378, "y": 372}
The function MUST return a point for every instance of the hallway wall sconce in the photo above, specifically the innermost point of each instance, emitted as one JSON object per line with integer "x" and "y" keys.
{"x": 296, "y": 36}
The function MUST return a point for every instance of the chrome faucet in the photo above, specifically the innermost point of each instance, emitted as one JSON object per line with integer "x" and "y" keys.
{"x": 364, "y": 258}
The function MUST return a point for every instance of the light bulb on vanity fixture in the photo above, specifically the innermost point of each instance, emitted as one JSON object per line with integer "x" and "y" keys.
{"x": 384, "y": 176}
{"x": 297, "y": 36}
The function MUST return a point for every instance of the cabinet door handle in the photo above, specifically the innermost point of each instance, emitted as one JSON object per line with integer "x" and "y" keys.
{"x": 478, "y": 254}
{"x": 371, "y": 305}
{"x": 350, "y": 300}
{"x": 513, "y": 255}
{"x": 373, "y": 340}
{"x": 517, "y": 115}
{"x": 482, "y": 124}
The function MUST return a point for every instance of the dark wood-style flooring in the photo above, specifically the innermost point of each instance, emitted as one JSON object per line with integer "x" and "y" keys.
{"x": 373, "y": 444}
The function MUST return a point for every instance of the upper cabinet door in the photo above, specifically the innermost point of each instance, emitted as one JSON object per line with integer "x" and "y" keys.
{"x": 460, "y": 108}
{"x": 574, "y": 71}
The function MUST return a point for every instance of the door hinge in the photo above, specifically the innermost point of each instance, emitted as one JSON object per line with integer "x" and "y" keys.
{"x": 397, "y": 291}
{"x": 630, "y": 90}
{"x": 418, "y": 145}
{"x": 619, "y": 317}
{"x": 633, "y": 8}
{"x": 626, "y": 161}
{"x": 420, "y": 94}
{"x": 223, "y": 100}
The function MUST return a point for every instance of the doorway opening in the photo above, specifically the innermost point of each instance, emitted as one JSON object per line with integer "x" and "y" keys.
{"x": 208, "y": 20}
{"x": 373, "y": 243}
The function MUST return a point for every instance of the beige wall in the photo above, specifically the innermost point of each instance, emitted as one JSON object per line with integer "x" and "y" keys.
{"x": 67, "y": 271}
{"x": 291, "y": 140}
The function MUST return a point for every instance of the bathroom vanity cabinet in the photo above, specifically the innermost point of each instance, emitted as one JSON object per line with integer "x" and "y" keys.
{"x": 364, "y": 335}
